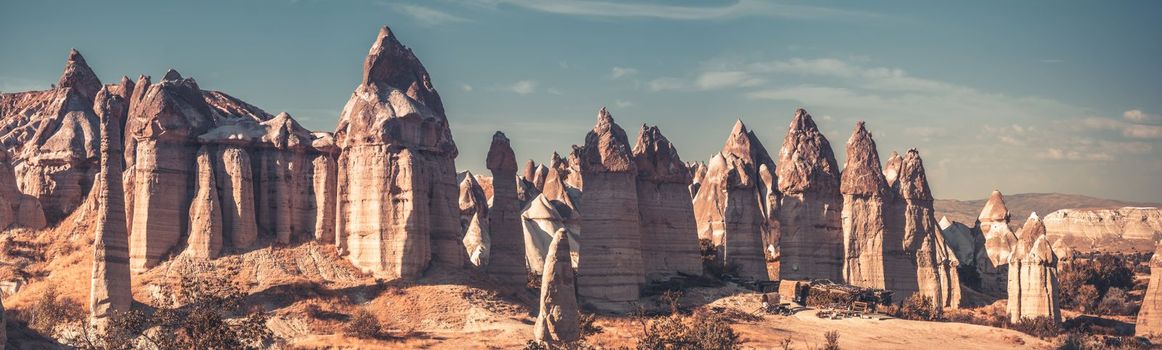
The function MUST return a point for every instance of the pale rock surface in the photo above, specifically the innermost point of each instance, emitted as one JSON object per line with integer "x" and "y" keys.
{"x": 542, "y": 218}
{"x": 698, "y": 172}
{"x": 323, "y": 185}
{"x": 809, "y": 214}
{"x": 1033, "y": 288}
{"x": 558, "y": 318}
{"x": 204, "y": 240}
{"x": 999, "y": 243}
{"x": 508, "y": 257}
{"x": 1085, "y": 228}
{"x": 281, "y": 175}
{"x": 867, "y": 241}
{"x": 17, "y": 208}
{"x": 163, "y": 125}
{"x": 474, "y": 219}
{"x": 397, "y": 175}
{"x": 934, "y": 263}
{"x": 610, "y": 269}
{"x": 476, "y": 241}
{"x": 1149, "y": 321}
{"x": 727, "y": 208}
{"x": 964, "y": 242}
{"x": 110, "y": 287}
{"x": 669, "y": 236}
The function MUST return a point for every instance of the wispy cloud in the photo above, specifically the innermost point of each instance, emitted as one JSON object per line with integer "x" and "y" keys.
{"x": 426, "y": 15}
{"x": 1137, "y": 116}
{"x": 524, "y": 87}
{"x": 736, "y": 9}
{"x": 728, "y": 79}
{"x": 621, "y": 72}
{"x": 466, "y": 87}
{"x": 623, "y": 103}
{"x": 666, "y": 84}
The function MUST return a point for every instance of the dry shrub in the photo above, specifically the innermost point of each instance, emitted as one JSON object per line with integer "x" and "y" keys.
{"x": 1040, "y": 327}
{"x": 364, "y": 325}
{"x": 700, "y": 331}
{"x": 919, "y": 307}
{"x": 832, "y": 338}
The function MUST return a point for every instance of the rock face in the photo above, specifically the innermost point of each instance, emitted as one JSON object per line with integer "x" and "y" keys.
{"x": 17, "y": 208}
{"x": 507, "y": 260}
{"x": 323, "y": 185}
{"x": 397, "y": 178}
{"x": 52, "y": 139}
{"x": 4, "y": 321}
{"x": 204, "y": 240}
{"x": 866, "y": 240}
{"x": 109, "y": 291}
{"x": 727, "y": 208}
{"x": 163, "y": 125}
{"x": 669, "y": 236}
{"x": 809, "y": 213}
{"x": 558, "y": 321}
{"x": 999, "y": 242}
{"x": 610, "y": 269}
{"x": 965, "y": 242}
{"x": 1086, "y": 228}
{"x": 933, "y": 262}
{"x": 234, "y": 175}
{"x": 1033, "y": 288}
{"x": 1149, "y": 322}
{"x": 474, "y": 220}
{"x": 540, "y": 220}
{"x": 281, "y": 172}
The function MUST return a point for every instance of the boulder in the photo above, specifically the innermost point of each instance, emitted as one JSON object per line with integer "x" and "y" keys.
{"x": 1033, "y": 288}
{"x": 204, "y": 240}
{"x": 669, "y": 236}
{"x": 559, "y": 315}
{"x": 110, "y": 287}
{"x": 507, "y": 259}
{"x": 397, "y": 177}
{"x": 809, "y": 212}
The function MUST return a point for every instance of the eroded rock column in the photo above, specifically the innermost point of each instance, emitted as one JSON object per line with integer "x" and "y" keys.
{"x": 809, "y": 214}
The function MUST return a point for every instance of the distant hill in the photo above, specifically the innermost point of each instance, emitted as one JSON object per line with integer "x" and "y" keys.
{"x": 1021, "y": 204}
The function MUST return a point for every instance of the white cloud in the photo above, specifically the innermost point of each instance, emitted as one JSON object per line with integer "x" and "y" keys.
{"x": 466, "y": 87}
{"x": 427, "y": 16}
{"x": 1143, "y": 132}
{"x": 1137, "y": 116}
{"x": 727, "y": 79}
{"x": 666, "y": 84}
{"x": 623, "y": 104}
{"x": 524, "y": 87}
{"x": 740, "y": 8}
{"x": 621, "y": 72}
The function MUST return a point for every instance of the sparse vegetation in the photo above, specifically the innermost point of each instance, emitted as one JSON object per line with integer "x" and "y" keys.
{"x": 364, "y": 325}
{"x": 832, "y": 338}
{"x": 919, "y": 307}
{"x": 700, "y": 331}
{"x": 1040, "y": 327}
{"x": 1093, "y": 277}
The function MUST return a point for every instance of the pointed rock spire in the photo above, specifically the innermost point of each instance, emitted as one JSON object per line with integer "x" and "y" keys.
{"x": 994, "y": 210}
{"x": 657, "y": 159}
{"x": 391, "y": 63}
{"x": 862, "y": 175}
{"x": 806, "y": 160}
{"x": 1032, "y": 285}
{"x": 172, "y": 75}
{"x": 913, "y": 181}
{"x": 110, "y": 286}
{"x": 530, "y": 172}
{"x": 607, "y": 148}
{"x": 205, "y": 236}
{"x": 507, "y": 256}
{"x": 79, "y": 76}
{"x": 500, "y": 154}
{"x": 558, "y": 321}
{"x": 669, "y": 233}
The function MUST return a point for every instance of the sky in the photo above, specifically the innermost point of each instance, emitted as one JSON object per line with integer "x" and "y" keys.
{"x": 1030, "y": 96}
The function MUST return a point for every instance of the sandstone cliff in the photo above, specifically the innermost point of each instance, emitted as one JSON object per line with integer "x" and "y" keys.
{"x": 809, "y": 213}
{"x": 1135, "y": 228}
{"x": 669, "y": 236}
{"x": 1032, "y": 288}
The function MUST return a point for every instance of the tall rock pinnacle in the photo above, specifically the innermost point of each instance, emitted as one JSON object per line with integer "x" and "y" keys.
{"x": 669, "y": 234}
{"x": 397, "y": 172}
{"x": 811, "y": 237}
{"x": 864, "y": 190}
{"x": 79, "y": 76}
{"x": 110, "y": 286}
{"x": 999, "y": 243}
{"x": 1033, "y": 289}
{"x": 507, "y": 261}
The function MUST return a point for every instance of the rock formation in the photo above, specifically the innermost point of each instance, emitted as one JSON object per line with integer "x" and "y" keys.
{"x": 669, "y": 236}
{"x": 541, "y": 219}
{"x": 17, "y": 208}
{"x": 1092, "y": 229}
{"x": 809, "y": 213}
{"x": 507, "y": 259}
{"x": 727, "y": 208}
{"x": 110, "y": 288}
{"x": 558, "y": 321}
{"x": 3, "y": 321}
{"x": 922, "y": 242}
{"x": 323, "y": 182}
{"x": 281, "y": 173}
{"x": 964, "y": 242}
{"x": 204, "y": 240}
{"x": 1032, "y": 287}
{"x": 867, "y": 243}
{"x": 234, "y": 174}
{"x": 474, "y": 220}
{"x": 698, "y": 173}
{"x": 999, "y": 242}
{"x": 610, "y": 269}
{"x": 163, "y": 125}
{"x": 79, "y": 76}
{"x": 397, "y": 178}
{"x": 1149, "y": 322}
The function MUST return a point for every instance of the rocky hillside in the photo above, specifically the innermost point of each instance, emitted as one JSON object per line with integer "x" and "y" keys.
{"x": 1022, "y": 204}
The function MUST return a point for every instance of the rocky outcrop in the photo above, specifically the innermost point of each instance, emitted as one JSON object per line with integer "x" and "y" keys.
{"x": 507, "y": 259}
{"x": 999, "y": 242}
{"x": 204, "y": 240}
{"x": 234, "y": 174}
{"x": 79, "y": 76}
{"x": 17, "y": 208}
{"x": 922, "y": 242}
{"x": 698, "y": 173}
{"x": 324, "y": 174}
{"x": 865, "y": 238}
{"x": 1032, "y": 288}
{"x": 163, "y": 126}
{"x": 558, "y": 321}
{"x": 474, "y": 220}
{"x": 964, "y": 242}
{"x": 727, "y": 208}
{"x": 397, "y": 178}
{"x": 110, "y": 287}
{"x": 1090, "y": 229}
{"x": 610, "y": 270}
{"x": 1149, "y": 321}
{"x": 281, "y": 174}
{"x": 669, "y": 236}
{"x": 809, "y": 213}
{"x": 540, "y": 220}
{"x": 3, "y": 321}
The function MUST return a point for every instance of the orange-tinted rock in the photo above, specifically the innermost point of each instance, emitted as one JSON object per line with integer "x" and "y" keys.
{"x": 669, "y": 236}
{"x": 110, "y": 288}
{"x": 1149, "y": 321}
{"x": 1033, "y": 290}
{"x": 809, "y": 213}
{"x": 507, "y": 259}
{"x": 559, "y": 315}
{"x": 866, "y": 239}
{"x": 204, "y": 240}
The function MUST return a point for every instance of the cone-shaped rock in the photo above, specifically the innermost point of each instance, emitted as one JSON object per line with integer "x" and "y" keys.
{"x": 1033, "y": 289}
{"x": 999, "y": 242}
{"x": 669, "y": 236}
{"x": 163, "y": 125}
{"x": 507, "y": 259}
{"x": 205, "y": 237}
{"x": 811, "y": 237}
{"x": 1149, "y": 322}
{"x": 79, "y": 76}
{"x": 610, "y": 269}
{"x": 864, "y": 190}
{"x": 474, "y": 219}
{"x": 476, "y": 240}
{"x": 559, "y": 318}
{"x": 109, "y": 291}
{"x": 397, "y": 175}
{"x": 912, "y": 203}
{"x": 542, "y": 218}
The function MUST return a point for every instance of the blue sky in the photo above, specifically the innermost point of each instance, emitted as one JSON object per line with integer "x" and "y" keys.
{"x": 1060, "y": 96}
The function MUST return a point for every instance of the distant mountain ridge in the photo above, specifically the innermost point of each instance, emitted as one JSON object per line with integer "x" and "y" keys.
{"x": 1022, "y": 204}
